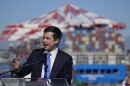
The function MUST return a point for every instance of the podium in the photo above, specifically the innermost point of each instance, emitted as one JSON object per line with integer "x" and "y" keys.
{"x": 33, "y": 82}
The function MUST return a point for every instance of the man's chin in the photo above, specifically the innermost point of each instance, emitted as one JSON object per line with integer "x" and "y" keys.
{"x": 45, "y": 48}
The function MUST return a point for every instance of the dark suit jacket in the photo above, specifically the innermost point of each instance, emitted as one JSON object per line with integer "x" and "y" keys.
{"x": 62, "y": 67}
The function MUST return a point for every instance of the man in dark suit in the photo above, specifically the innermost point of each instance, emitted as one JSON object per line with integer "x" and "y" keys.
{"x": 61, "y": 63}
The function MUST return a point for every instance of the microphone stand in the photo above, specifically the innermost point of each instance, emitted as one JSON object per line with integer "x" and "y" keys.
{"x": 19, "y": 68}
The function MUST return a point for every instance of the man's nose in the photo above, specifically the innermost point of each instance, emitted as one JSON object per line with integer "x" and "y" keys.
{"x": 44, "y": 40}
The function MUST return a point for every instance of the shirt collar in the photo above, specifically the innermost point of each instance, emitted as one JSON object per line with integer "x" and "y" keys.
{"x": 54, "y": 52}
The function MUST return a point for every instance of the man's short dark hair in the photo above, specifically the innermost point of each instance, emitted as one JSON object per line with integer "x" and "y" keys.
{"x": 57, "y": 32}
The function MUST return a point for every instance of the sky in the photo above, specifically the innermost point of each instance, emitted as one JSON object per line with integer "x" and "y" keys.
{"x": 17, "y": 11}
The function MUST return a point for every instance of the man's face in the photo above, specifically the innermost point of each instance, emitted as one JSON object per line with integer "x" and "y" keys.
{"x": 48, "y": 41}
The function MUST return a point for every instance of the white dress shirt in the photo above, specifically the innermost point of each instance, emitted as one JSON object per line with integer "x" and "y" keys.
{"x": 52, "y": 58}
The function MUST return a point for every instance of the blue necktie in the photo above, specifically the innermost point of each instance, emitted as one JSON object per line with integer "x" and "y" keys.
{"x": 47, "y": 68}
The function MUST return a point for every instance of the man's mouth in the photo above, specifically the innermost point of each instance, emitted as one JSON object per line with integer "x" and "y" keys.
{"x": 45, "y": 44}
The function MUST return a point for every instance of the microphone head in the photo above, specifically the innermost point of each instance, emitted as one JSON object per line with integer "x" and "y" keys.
{"x": 45, "y": 52}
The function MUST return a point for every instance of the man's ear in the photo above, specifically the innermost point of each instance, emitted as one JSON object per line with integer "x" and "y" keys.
{"x": 57, "y": 41}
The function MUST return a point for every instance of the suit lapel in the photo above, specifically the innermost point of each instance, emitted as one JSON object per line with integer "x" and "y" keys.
{"x": 56, "y": 63}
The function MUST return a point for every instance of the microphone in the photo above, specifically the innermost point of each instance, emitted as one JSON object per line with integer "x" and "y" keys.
{"x": 45, "y": 63}
{"x": 30, "y": 64}
{"x": 45, "y": 57}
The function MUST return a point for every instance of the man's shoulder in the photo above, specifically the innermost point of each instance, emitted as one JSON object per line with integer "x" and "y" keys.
{"x": 64, "y": 53}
